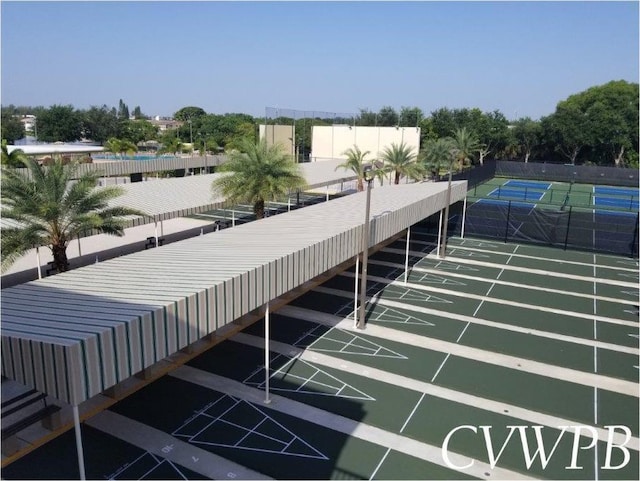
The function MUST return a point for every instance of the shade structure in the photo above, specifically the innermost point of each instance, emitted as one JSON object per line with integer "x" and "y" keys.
{"x": 164, "y": 199}
{"x": 78, "y": 333}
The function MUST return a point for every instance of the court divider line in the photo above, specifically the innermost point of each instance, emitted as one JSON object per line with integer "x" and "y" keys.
{"x": 427, "y": 270}
{"x": 499, "y": 325}
{"x": 466, "y": 295}
{"x": 397, "y": 380}
{"x": 372, "y": 434}
{"x": 432, "y": 255}
{"x": 452, "y": 259}
{"x": 584, "y": 378}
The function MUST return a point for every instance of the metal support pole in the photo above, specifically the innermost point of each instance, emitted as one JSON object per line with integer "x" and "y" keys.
{"x": 266, "y": 356}
{"x": 79, "y": 247}
{"x": 464, "y": 216}
{"x": 355, "y": 294}
{"x": 327, "y": 192}
{"x": 233, "y": 218}
{"x": 76, "y": 426}
{"x": 439, "y": 232}
{"x": 156, "y": 231}
{"x": 446, "y": 217}
{"x": 365, "y": 257}
{"x": 38, "y": 262}
{"x": 406, "y": 257}
{"x": 161, "y": 227}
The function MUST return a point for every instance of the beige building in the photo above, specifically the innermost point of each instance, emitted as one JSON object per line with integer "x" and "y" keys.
{"x": 280, "y": 134}
{"x": 329, "y": 142}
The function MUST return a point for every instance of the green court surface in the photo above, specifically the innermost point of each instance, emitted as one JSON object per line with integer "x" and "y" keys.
{"x": 106, "y": 457}
{"x": 252, "y": 435}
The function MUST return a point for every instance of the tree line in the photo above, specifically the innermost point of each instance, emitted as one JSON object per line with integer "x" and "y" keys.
{"x": 596, "y": 126}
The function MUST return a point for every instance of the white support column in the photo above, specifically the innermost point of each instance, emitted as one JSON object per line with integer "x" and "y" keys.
{"x": 464, "y": 216}
{"x": 155, "y": 222}
{"x": 327, "y": 192}
{"x": 161, "y": 229}
{"x": 406, "y": 257}
{"x": 76, "y": 425}
{"x": 355, "y": 294}
{"x": 266, "y": 356}
{"x": 79, "y": 247}
{"x": 38, "y": 262}
{"x": 233, "y": 218}
{"x": 439, "y": 233}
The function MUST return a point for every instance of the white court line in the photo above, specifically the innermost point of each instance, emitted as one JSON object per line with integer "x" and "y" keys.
{"x": 438, "y": 371}
{"x": 375, "y": 471}
{"x": 463, "y": 331}
{"x": 413, "y": 411}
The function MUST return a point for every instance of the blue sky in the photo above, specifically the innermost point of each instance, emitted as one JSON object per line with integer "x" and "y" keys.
{"x": 521, "y": 58}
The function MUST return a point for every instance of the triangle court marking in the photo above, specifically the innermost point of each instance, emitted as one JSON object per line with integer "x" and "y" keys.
{"x": 234, "y": 423}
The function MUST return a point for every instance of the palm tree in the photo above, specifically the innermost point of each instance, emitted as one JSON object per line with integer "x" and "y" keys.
{"x": 172, "y": 145}
{"x": 49, "y": 209}
{"x": 355, "y": 162}
{"x": 13, "y": 159}
{"x": 466, "y": 143}
{"x": 120, "y": 146}
{"x": 401, "y": 160}
{"x": 259, "y": 173}
{"x": 438, "y": 154}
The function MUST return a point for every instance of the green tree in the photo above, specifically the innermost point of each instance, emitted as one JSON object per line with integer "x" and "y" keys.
{"x": 170, "y": 144}
{"x": 465, "y": 144}
{"x": 137, "y": 131}
{"x": 366, "y": 118}
{"x": 527, "y": 134}
{"x": 259, "y": 173}
{"x": 59, "y": 123}
{"x": 410, "y": 117}
{"x": 189, "y": 113}
{"x": 438, "y": 154}
{"x": 355, "y": 162}
{"x": 12, "y": 128}
{"x": 52, "y": 210}
{"x": 123, "y": 111}
{"x": 387, "y": 117}
{"x": 401, "y": 160}
{"x": 99, "y": 124}
{"x": 14, "y": 159}
{"x": 120, "y": 146}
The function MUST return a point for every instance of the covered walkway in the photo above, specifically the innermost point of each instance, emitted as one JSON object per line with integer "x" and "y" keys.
{"x": 79, "y": 333}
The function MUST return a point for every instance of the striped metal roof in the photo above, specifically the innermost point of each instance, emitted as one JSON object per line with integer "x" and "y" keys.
{"x": 164, "y": 199}
{"x": 78, "y": 333}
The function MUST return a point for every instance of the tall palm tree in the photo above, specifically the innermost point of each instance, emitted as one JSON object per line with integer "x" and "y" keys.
{"x": 259, "y": 173}
{"x": 170, "y": 145}
{"x": 49, "y": 209}
{"x": 466, "y": 143}
{"x": 13, "y": 159}
{"x": 356, "y": 163}
{"x": 438, "y": 154}
{"x": 401, "y": 160}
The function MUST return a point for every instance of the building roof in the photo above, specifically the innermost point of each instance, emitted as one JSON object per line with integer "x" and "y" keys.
{"x": 78, "y": 333}
{"x": 45, "y": 149}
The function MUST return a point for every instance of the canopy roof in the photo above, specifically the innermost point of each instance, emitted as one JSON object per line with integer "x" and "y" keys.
{"x": 44, "y": 149}
{"x": 78, "y": 333}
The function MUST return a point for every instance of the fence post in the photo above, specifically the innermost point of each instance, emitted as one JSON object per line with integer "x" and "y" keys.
{"x": 506, "y": 229}
{"x": 566, "y": 236}
{"x": 635, "y": 235}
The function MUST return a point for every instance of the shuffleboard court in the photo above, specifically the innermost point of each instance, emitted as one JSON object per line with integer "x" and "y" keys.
{"x": 270, "y": 442}
{"x": 107, "y": 457}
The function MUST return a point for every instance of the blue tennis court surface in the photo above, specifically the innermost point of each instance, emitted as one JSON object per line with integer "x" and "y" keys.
{"x": 628, "y": 203}
{"x": 504, "y": 203}
{"x": 523, "y": 184}
{"x": 604, "y": 190}
{"x": 506, "y": 193}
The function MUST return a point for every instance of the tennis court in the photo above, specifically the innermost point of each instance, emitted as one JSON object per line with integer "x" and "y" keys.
{"x": 559, "y": 193}
{"x": 496, "y": 334}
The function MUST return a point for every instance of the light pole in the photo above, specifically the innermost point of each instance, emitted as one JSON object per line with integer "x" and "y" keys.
{"x": 446, "y": 215}
{"x": 368, "y": 176}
